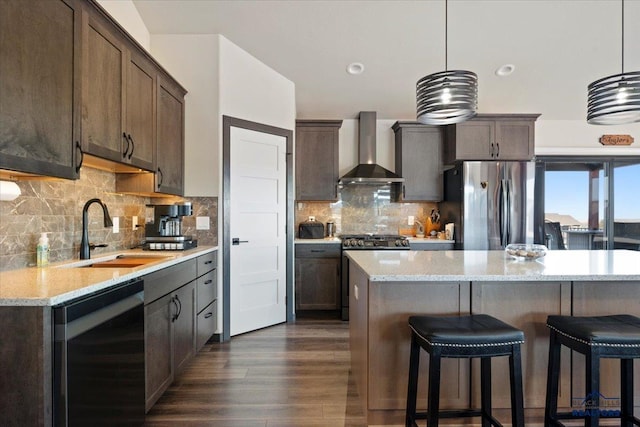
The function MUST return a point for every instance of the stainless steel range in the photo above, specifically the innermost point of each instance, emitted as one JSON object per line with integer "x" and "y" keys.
{"x": 374, "y": 242}
{"x": 366, "y": 242}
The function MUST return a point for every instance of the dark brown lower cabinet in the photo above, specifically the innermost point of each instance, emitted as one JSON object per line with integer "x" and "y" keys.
{"x": 318, "y": 277}
{"x": 170, "y": 332}
{"x": 158, "y": 342}
{"x": 170, "y": 326}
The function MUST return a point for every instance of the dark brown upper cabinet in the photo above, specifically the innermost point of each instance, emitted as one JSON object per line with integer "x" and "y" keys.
{"x": 418, "y": 161}
{"x": 170, "y": 130}
{"x": 317, "y": 159}
{"x": 39, "y": 87}
{"x": 491, "y": 137}
{"x": 118, "y": 96}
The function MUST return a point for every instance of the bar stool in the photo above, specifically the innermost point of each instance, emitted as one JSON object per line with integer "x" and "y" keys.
{"x": 477, "y": 335}
{"x": 596, "y": 337}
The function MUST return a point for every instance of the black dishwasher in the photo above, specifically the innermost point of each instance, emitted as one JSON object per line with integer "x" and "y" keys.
{"x": 99, "y": 358}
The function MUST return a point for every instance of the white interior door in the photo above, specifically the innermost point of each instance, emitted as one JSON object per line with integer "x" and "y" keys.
{"x": 258, "y": 222}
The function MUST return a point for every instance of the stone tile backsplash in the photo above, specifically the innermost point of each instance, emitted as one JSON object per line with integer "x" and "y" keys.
{"x": 364, "y": 209}
{"x": 55, "y": 206}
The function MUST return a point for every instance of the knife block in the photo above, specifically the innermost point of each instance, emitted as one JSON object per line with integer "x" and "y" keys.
{"x": 432, "y": 226}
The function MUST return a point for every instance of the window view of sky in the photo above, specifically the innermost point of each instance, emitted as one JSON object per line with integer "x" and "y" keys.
{"x": 567, "y": 193}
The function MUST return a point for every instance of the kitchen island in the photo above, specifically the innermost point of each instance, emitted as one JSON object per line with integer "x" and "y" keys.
{"x": 386, "y": 287}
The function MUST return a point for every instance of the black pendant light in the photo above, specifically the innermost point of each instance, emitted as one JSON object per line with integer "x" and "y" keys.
{"x": 615, "y": 100}
{"x": 449, "y": 96}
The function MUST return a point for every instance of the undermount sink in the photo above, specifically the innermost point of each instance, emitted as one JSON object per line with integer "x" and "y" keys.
{"x": 119, "y": 261}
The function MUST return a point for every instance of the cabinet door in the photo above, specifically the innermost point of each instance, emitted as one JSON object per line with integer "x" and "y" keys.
{"x": 170, "y": 142}
{"x": 158, "y": 341}
{"x": 103, "y": 88}
{"x": 475, "y": 140}
{"x": 39, "y": 86}
{"x": 317, "y": 283}
{"x": 514, "y": 140}
{"x": 419, "y": 162}
{"x": 184, "y": 326}
{"x": 317, "y": 160}
{"x": 140, "y": 111}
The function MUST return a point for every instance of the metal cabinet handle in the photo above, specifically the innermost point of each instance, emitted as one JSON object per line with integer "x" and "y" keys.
{"x": 497, "y": 149}
{"x": 208, "y": 262}
{"x": 179, "y": 307}
{"x": 403, "y": 191}
{"x": 318, "y": 250}
{"x": 79, "y": 148}
{"x": 208, "y": 315}
{"x": 133, "y": 146}
{"x": 126, "y": 150}
{"x": 208, "y": 282}
{"x": 175, "y": 316}
{"x": 236, "y": 241}
{"x": 161, "y": 177}
{"x": 491, "y": 152}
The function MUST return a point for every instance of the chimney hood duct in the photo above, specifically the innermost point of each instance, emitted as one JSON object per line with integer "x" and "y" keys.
{"x": 367, "y": 171}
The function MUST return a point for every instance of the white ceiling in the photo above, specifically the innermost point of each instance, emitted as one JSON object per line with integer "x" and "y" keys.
{"x": 557, "y": 46}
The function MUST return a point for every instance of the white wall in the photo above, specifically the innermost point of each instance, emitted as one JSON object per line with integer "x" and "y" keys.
{"x": 192, "y": 59}
{"x": 125, "y": 12}
{"x": 576, "y": 137}
{"x": 251, "y": 90}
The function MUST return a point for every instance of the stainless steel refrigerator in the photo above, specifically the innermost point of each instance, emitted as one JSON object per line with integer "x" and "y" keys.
{"x": 490, "y": 203}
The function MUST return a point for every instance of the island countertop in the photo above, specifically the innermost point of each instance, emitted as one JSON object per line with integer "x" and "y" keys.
{"x": 497, "y": 266}
{"x": 61, "y": 282}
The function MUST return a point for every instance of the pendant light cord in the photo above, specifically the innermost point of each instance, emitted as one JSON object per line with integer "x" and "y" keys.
{"x": 446, "y": 34}
{"x": 622, "y": 36}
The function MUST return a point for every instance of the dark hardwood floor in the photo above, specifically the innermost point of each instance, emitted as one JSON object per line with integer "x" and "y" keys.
{"x": 289, "y": 375}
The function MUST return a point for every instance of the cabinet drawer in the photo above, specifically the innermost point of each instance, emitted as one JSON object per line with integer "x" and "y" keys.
{"x": 207, "y": 288}
{"x": 207, "y": 324}
{"x": 320, "y": 250}
{"x": 161, "y": 282}
{"x": 207, "y": 262}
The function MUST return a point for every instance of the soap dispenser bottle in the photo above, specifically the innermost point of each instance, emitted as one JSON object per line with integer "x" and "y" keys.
{"x": 42, "y": 251}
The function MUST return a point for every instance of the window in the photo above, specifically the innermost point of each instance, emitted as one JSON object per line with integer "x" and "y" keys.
{"x": 626, "y": 206}
{"x": 591, "y": 200}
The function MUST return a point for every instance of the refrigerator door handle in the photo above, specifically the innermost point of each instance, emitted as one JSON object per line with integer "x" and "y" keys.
{"x": 507, "y": 213}
{"x": 504, "y": 212}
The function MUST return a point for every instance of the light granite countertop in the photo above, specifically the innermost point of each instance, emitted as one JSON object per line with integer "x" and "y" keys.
{"x": 497, "y": 266}
{"x": 326, "y": 240}
{"x": 61, "y": 282}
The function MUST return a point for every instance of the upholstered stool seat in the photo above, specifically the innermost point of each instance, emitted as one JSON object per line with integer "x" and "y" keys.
{"x": 472, "y": 336}
{"x": 616, "y": 336}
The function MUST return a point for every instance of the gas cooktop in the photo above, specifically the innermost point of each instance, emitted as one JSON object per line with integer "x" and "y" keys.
{"x": 374, "y": 242}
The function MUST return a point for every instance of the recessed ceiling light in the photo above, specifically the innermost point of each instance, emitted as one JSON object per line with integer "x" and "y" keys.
{"x": 505, "y": 70}
{"x": 355, "y": 68}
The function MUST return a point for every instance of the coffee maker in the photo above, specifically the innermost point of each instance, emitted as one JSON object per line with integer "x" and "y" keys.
{"x": 165, "y": 232}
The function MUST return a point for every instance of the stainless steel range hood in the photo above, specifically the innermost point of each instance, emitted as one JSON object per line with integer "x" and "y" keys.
{"x": 367, "y": 171}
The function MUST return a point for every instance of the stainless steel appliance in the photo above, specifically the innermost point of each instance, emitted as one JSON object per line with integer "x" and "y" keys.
{"x": 331, "y": 229}
{"x": 368, "y": 171}
{"x": 365, "y": 242}
{"x": 165, "y": 232}
{"x": 490, "y": 203}
{"x": 99, "y": 371}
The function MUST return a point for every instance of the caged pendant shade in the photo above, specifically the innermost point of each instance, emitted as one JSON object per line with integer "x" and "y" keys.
{"x": 615, "y": 100}
{"x": 449, "y": 96}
